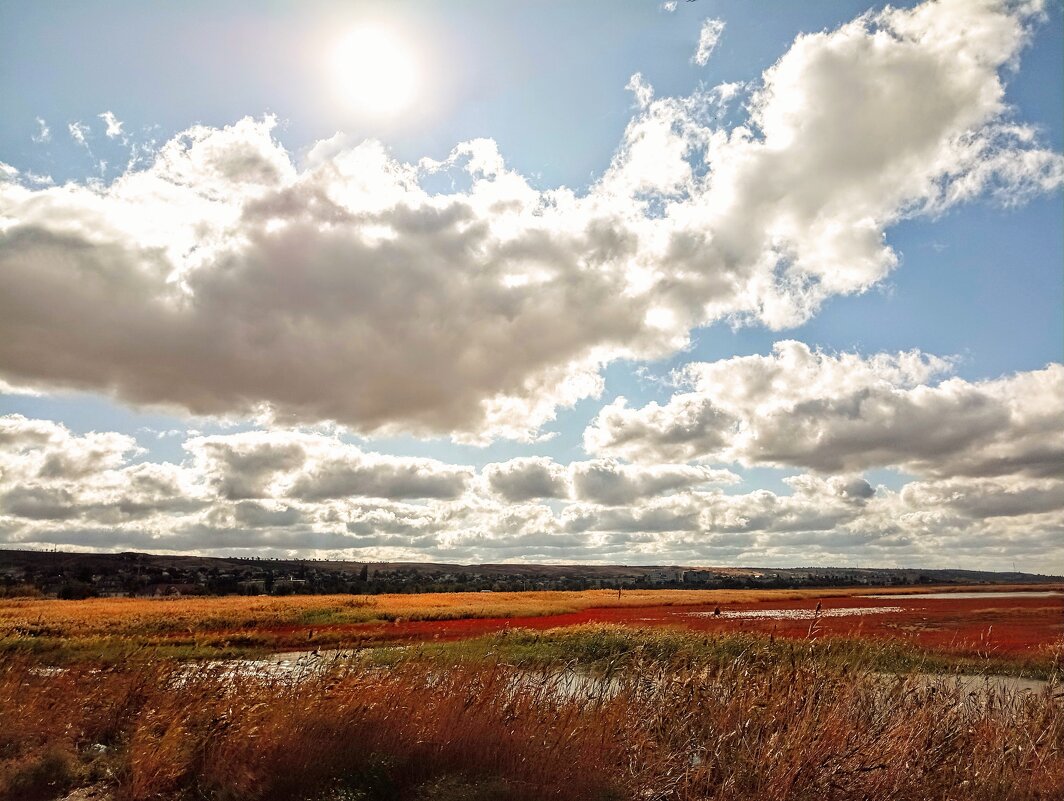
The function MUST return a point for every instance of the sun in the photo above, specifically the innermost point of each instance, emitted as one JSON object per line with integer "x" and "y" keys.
{"x": 375, "y": 71}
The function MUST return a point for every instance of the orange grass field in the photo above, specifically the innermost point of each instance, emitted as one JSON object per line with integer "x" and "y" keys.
{"x": 233, "y": 624}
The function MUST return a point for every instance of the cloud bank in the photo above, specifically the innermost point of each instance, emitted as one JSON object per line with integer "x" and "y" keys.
{"x": 295, "y": 493}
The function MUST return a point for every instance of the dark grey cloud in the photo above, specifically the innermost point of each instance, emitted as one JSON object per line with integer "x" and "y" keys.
{"x": 382, "y": 478}
{"x": 314, "y": 467}
{"x": 611, "y": 483}
{"x": 39, "y": 503}
{"x": 528, "y": 478}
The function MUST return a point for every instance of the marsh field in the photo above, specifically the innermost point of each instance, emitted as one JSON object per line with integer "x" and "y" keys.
{"x": 782, "y": 694}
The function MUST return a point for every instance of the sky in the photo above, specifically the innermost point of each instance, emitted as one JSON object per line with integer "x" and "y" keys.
{"x": 701, "y": 283}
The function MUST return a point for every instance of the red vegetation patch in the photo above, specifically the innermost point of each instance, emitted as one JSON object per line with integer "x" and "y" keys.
{"x": 988, "y": 626}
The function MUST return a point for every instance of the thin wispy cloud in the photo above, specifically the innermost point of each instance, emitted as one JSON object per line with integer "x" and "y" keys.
{"x": 708, "y": 37}
{"x": 114, "y": 125}
{"x": 79, "y": 132}
{"x": 44, "y": 133}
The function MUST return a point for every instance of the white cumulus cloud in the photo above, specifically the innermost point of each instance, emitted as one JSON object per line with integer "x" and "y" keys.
{"x": 226, "y": 279}
{"x": 843, "y": 412}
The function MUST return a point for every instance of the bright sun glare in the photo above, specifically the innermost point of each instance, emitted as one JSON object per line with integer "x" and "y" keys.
{"x": 375, "y": 71}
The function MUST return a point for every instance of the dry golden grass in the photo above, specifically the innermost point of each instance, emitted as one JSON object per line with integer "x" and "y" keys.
{"x": 128, "y": 617}
{"x": 762, "y": 725}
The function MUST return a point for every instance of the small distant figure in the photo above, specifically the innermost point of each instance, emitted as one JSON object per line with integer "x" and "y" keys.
{"x": 618, "y": 592}
{"x": 716, "y": 611}
{"x": 818, "y": 607}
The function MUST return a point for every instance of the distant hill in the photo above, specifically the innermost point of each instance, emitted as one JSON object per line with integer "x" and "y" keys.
{"x": 75, "y": 575}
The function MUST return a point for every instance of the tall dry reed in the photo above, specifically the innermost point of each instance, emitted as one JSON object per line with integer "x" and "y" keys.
{"x": 748, "y": 727}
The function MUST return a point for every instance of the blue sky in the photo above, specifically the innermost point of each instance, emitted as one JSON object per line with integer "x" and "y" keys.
{"x": 977, "y": 281}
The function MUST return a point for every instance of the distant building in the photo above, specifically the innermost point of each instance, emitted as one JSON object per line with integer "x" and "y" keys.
{"x": 289, "y": 584}
{"x": 665, "y": 576}
{"x": 174, "y": 590}
{"x": 699, "y": 576}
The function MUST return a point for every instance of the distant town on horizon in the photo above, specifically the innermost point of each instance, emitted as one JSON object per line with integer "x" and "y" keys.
{"x": 71, "y": 575}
